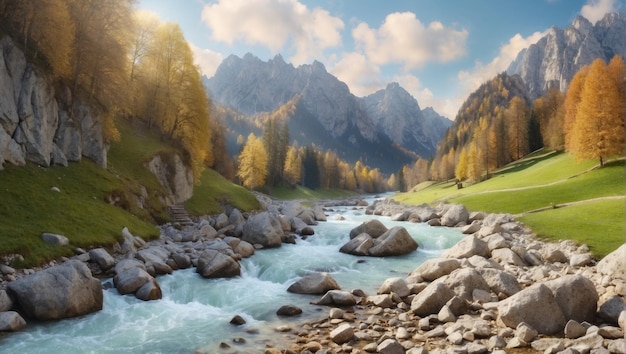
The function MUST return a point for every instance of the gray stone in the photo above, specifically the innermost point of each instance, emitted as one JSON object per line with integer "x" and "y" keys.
{"x": 534, "y": 305}
{"x": 395, "y": 285}
{"x": 336, "y": 298}
{"x": 384, "y": 300}
{"x": 446, "y": 315}
{"x": 342, "y": 334}
{"x": 525, "y": 332}
{"x": 263, "y": 229}
{"x": 580, "y": 260}
{"x": 6, "y": 303}
{"x": 610, "y": 332}
{"x": 456, "y": 214}
{"x": 54, "y": 239}
{"x": 435, "y": 268}
{"x": 464, "y": 281}
{"x": 614, "y": 264}
{"x": 63, "y": 291}
{"x": 150, "y": 290}
{"x": 576, "y": 296}
{"x": 289, "y": 311}
{"x": 431, "y": 299}
{"x": 610, "y": 309}
{"x": 390, "y": 346}
{"x": 573, "y": 330}
{"x": 317, "y": 283}
{"x": 11, "y": 321}
{"x": 469, "y": 246}
{"x": 129, "y": 280}
{"x": 102, "y": 258}
{"x": 617, "y": 346}
{"x": 507, "y": 256}
{"x": 374, "y": 228}
{"x": 215, "y": 264}
{"x": 395, "y": 242}
{"x": 500, "y": 281}
{"x": 358, "y": 246}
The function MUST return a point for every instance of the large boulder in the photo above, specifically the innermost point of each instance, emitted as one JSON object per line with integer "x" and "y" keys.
{"x": 456, "y": 214}
{"x": 469, "y": 246}
{"x": 395, "y": 285}
{"x": 63, "y": 291}
{"x": 430, "y": 300}
{"x": 464, "y": 281}
{"x": 263, "y": 229}
{"x": 215, "y": 264}
{"x": 500, "y": 281}
{"x": 130, "y": 276}
{"x": 534, "y": 305}
{"x": 576, "y": 296}
{"x": 374, "y": 228}
{"x": 101, "y": 257}
{"x": 614, "y": 264}
{"x": 395, "y": 242}
{"x": 435, "y": 268}
{"x": 318, "y": 283}
{"x": 359, "y": 245}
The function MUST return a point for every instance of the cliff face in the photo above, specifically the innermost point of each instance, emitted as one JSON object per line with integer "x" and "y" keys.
{"x": 554, "y": 59}
{"x": 36, "y": 122}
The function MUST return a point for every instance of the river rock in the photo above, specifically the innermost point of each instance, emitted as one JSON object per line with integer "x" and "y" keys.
{"x": 342, "y": 334}
{"x": 318, "y": 283}
{"x": 464, "y": 281}
{"x": 6, "y": 303}
{"x": 534, "y": 305}
{"x": 507, "y": 256}
{"x": 614, "y": 264}
{"x": 358, "y": 246}
{"x": 395, "y": 242}
{"x": 469, "y": 246}
{"x": 102, "y": 258}
{"x": 263, "y": 229}
{"x": 63, "y": 291}
{"x": 456, "y": 213}
{"x": 245, "y": 249}
{"x": 525, "y": 332}
{"x": 11, "y": 321}
{"x": 430, "y": 300}
{"x": 215, "y": 264}
{"x": 288, "y": 311}
{"x": 128, "y": 279}
{"x": 573, "y": 329}
{"x": 395, "y": 285}
{"x": 336, "y": 298}
{"x": 576, "y": 296}
{"x": 500, "y": 281}
{"x": 611, "y": 309}
{"x": 373, "y": 227}
{"x": 150, "y": 290}
{"x": 435, "y": 268}
{"x": 390, "y": 346}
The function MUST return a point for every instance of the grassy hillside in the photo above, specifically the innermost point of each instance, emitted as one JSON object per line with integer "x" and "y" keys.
{"x": 94, "y": 204}
{"x": 300, "y": 192}
{"x": 556, "y": 196}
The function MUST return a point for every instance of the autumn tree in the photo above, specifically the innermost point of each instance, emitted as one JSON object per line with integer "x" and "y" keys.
{"x": 598, "y": 129}
{"x": 517, "y": 121}
{"x": 549, "y": 110}
{"x": 276, "y": 142}
{"x": 572, "y": 100}
{"x": 461, "y": 170}
{"x": 252, "y": 161}
{"x": 292, "y": 171}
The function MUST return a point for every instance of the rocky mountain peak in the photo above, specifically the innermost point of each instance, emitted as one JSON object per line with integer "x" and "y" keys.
{"x": 554, "y": 59}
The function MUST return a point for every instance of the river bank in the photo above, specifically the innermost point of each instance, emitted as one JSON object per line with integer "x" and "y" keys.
{"x": 376, "y": 318}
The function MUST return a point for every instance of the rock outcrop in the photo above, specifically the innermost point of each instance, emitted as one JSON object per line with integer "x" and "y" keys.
{"x": 173, "y": 175}
{"x": 37, "y": 122}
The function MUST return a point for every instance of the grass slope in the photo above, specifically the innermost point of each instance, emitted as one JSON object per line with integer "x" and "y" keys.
{"x": 83, "y": 210}
{"x": 300, "y": 192}
{"x": 546, "y": 179}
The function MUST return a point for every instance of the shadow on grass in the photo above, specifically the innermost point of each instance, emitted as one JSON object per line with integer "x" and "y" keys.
{"x": 526, "y": 163}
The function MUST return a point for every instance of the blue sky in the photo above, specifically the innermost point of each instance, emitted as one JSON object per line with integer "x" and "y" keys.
{"x": 439, "y": 50}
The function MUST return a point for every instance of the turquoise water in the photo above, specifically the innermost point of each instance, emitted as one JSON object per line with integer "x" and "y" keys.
{"x": 194, "y": 313}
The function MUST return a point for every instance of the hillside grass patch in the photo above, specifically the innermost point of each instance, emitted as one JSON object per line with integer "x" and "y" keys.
{"x": 301, "y": 192}
{"x": 214, "y": 191}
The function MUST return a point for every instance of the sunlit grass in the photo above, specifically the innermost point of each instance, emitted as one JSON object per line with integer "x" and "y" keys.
{"x": 214, "y": 191}
{"x": 300, "y": 192}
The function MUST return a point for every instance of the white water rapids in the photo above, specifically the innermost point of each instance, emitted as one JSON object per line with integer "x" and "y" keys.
{"x": 194, "y": 313}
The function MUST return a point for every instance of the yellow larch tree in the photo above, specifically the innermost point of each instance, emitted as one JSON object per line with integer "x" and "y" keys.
{"x": 572, "y": 99}
{"x": 293, "y": 165}
{"x": 598, "y": 130}
{"x": 253, "y": 163}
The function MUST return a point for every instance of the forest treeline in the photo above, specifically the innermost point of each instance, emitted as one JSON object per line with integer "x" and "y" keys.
{"x": 498, "y": 124}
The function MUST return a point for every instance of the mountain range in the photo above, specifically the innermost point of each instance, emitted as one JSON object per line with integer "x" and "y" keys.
{"x": 386, "y": 129}
{"x": 560, "y": 53}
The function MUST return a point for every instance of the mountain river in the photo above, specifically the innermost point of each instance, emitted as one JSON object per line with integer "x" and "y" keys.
{"x": 194, "y": 313}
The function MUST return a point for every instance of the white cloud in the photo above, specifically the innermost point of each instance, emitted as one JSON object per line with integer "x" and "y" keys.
{"x": 274, "y": 24}
{"x": 444, "y": 106}
{"x": 206, "y": 59}
{"x": 595, "y": 10}
{"x": 404, "y": 39}
{"x": 361, "y": 76}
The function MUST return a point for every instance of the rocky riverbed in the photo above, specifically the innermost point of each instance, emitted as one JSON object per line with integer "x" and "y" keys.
{"x": 499, "y": 288}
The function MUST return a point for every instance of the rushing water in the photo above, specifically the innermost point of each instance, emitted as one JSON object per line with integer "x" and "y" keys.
{"x": 194, "y": 313}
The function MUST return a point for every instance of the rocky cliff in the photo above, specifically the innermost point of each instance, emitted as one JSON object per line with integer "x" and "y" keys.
{"x": 37, "y": 121}
{"x": 554, "y": 59}
{"x": 370, "y": 129}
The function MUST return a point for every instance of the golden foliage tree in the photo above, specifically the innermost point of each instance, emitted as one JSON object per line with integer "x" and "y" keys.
{"x": 550, "y": 110}
{"x": 517, "y": 120}
{"x": 572, "y": 99}
{"x": 598, "y": 128}
{"x": 252, "y": 163}
{"x": 293, "y": 165}
{"x": 461, "y": 172}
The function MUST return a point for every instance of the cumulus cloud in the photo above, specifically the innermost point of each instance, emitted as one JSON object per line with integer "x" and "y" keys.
{"x": 274, "y": 24}
{"x": 404, "y": 39}
{"x": 595, "y": 10}
{"x": 206, "y": 59}
{"x": 358, "y": 73}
